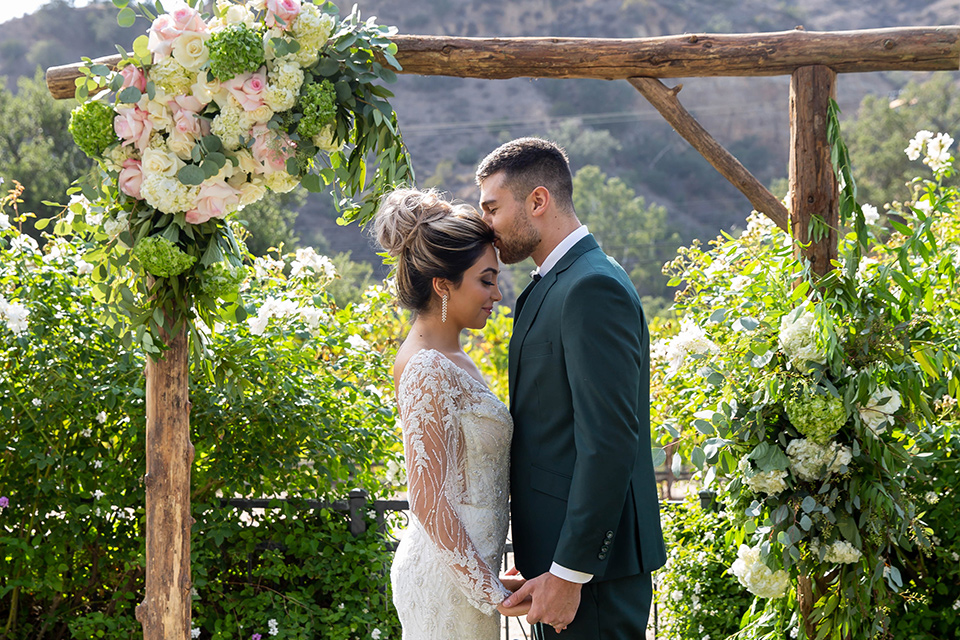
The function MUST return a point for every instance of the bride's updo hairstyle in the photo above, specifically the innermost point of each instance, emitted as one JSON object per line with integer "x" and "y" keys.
{"x": 430, "y": 238}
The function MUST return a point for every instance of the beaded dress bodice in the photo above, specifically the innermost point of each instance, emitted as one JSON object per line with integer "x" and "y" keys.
{"x": 456, "y": 436}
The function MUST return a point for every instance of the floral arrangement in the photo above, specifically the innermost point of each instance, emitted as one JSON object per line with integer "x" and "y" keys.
{"x": 810, "y": 400}
{"x": 206, "y": 115}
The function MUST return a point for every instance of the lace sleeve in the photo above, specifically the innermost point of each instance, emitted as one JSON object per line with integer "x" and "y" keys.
{"x": 433, "y": 445}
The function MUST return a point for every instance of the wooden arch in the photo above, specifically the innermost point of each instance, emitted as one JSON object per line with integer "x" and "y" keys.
{"x": 811, "y": 59}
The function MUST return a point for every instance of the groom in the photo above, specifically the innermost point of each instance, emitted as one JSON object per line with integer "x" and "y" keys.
{"x": 586, "y": 522}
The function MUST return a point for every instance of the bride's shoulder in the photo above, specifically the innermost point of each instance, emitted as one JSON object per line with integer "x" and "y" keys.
{"x": 412, "y": 359}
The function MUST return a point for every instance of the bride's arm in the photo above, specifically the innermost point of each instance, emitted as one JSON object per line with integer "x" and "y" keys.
{"x": 432, "y": 441}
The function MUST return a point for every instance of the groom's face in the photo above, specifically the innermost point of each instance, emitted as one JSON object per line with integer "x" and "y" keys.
{"x": 517, "y": 237}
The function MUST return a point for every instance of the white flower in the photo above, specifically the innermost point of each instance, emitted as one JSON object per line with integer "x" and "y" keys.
{"x": 308, "y": 258}
{"x": 838, "y": 552}
{"x": 739, "y": 283}
{"x": 102, "y": 417}
{"x": 690, "y": 339}
{"x": 932, "y": 497}
{"x": 83, "y": 267}
{"x": 809, "y": 461}
{"x": 915, "y": 147}
{"x": 375, "y": 634}
{"x": 798, "y": 337}
{"x": 358, "y": 343}
{"x": 938, "y": 156}
{"x": 98, "y": 494}
{"x": 5, "y": 222}
{"x": 97, "y": 464}
{"x": 879, "y": 410}
{"x": 768, "y": 482}
{"x": 36, "y": 402}
{"x": 86, "y": 433}
{"x": 870, "y": 214}
{"x": 274, "y": 626}
{"x": 195, "y": 632}
{"x": 677, "y": 595}
{"x": 756, "y": 576}
{"x": 15, "y": 314}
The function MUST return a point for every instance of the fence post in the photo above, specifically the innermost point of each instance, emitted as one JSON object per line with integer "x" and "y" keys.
{"x": 358, "y": 510}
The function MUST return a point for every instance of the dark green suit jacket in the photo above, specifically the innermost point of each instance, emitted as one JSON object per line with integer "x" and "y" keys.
{"x": 583, "y": 489}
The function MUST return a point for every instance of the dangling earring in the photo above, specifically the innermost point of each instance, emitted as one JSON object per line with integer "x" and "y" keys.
{"x": 443, "y": 308}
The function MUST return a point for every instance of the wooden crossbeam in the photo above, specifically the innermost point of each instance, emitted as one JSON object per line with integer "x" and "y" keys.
{"x": 678, "y": 56}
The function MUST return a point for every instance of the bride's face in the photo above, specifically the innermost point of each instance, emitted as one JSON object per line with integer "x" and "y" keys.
{"x": 471, "y": 303}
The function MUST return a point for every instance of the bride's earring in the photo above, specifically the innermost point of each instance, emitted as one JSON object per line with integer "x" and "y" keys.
{"x": 443, "y": 308}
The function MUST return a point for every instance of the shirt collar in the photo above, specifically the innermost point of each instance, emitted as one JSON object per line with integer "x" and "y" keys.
{"x": 561, "y": 249}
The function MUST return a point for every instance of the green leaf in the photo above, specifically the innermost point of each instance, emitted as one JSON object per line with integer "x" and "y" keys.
{"x": 311, "y": 182}
{"x": 129, "y": 95}
{"x": 191, "y": 175}
{"x": 659, "y": 456}
{"x": 126, "y": 17}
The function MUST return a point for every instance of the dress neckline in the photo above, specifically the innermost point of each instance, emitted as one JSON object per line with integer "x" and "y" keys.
{"x": 453, "y": 364}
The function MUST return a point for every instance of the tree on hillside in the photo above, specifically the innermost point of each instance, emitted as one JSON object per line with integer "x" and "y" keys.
{"x": 35, "y": 147}
{"x": 881, "y": 129}
{"x": 636, "y": 234}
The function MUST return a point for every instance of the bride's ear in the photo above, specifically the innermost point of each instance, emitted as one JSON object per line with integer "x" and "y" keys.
{"x": 442, "y": 287}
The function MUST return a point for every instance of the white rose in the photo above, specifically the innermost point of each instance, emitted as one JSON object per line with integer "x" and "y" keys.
{"x": 237, "y": 14}
{"x": 250, "y": 193}
{"x": 190, "y": 50}
{"x": 161, "y": 163}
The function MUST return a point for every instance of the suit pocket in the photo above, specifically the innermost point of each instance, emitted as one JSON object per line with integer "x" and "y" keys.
{"x": 550, "y": 482}
{"x": 536, "y": 350}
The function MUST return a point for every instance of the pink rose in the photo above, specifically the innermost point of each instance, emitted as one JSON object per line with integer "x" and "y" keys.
{"x": 188, "y": 19}
{"x": 133, "y": 76}
{"x": 215, "y": 200}
{"x": 133, "y": 126}
{"x": 248, "y": 89}
{"x": 286, "y": 10}
{"x": 271, "y": 149}
{"x": 168, "y": 27}
{"x": 131, "y": 178}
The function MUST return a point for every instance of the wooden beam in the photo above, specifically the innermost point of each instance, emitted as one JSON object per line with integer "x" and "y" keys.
{"x": 165, "y": 610}
{"x": 813, "y": 184}
{"x": 679, "y": 56}
{"x": 665, "y": 101}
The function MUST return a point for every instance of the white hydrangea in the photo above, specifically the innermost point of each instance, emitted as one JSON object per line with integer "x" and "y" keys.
{"x": 690, "y": 339}
{"x": 281, "y": 181}
{"x": 810, "y": 461}
{"x": 837, "y": 552}
{"x": 230, "y": 124}
{"x": 756, "y": 576}
{"x": 168, "y": 194}
{"x": 312, "y": 29}
{"x": 798, "y": 337}
{"x": 768, "y": 482}
{"x": 170, "y": 76}
{"x": 879, "y": 410}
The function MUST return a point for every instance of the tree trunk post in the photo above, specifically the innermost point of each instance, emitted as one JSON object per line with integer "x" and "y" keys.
{"x": 813, "y": 185}
{"x": 165, "y": 610}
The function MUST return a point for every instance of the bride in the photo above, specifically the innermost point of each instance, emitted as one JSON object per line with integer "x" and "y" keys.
{"x": 456, "y": 433}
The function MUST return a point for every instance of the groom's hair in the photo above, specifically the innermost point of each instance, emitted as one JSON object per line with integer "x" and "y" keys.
{"x": 528, "y": 163}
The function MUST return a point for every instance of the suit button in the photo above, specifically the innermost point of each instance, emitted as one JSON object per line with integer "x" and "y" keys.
{"x": 609, "y": 535}
{"x": 604, "y": 548}
{"x": 601, "y": 556}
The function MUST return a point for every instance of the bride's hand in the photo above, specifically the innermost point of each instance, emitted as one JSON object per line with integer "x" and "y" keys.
{"x": 521, "y": 609}
{"x": 512, "y": 579}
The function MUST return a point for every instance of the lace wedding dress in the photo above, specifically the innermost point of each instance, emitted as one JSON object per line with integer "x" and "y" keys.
{"x": 456, "y": 437}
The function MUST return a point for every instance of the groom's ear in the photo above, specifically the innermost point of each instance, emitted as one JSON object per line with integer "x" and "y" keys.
{"x": 538, "y": 201}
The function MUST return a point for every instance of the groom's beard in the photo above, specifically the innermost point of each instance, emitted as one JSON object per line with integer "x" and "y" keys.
{"x": 519, "y": 242}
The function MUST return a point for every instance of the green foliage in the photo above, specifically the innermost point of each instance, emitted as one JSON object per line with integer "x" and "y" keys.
{"x": 269, "y": 222}
{"x": 91, "y": 125}
{"x": 235, "y": 50}
{"x": 299, "y": 405}
{"x": 697, "y": 597}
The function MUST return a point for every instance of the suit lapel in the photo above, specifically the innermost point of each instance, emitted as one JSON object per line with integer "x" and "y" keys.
{"x": 529, "y": 302}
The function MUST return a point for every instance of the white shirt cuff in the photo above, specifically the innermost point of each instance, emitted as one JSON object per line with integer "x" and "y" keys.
{"x": 570, "y": 575}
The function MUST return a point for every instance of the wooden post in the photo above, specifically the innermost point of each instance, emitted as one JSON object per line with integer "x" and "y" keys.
{"x": 165, "y": 610}
{"x": 813, "y": 186}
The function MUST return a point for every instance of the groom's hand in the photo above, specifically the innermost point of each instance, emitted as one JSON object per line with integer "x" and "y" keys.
{"x": 555, "y": 600}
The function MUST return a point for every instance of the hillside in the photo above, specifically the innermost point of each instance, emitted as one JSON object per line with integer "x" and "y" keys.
{"x": 450, "y": 123}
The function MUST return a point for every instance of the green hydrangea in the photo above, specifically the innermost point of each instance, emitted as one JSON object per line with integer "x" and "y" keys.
{"x": 222, "y": 280}
{"x": 91, "y": 125}
{"x": 817, "y": 416}
{"x": 235, "y": 50}
{"x": 318, "y": 103}
{"x": 161, "y": 258}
